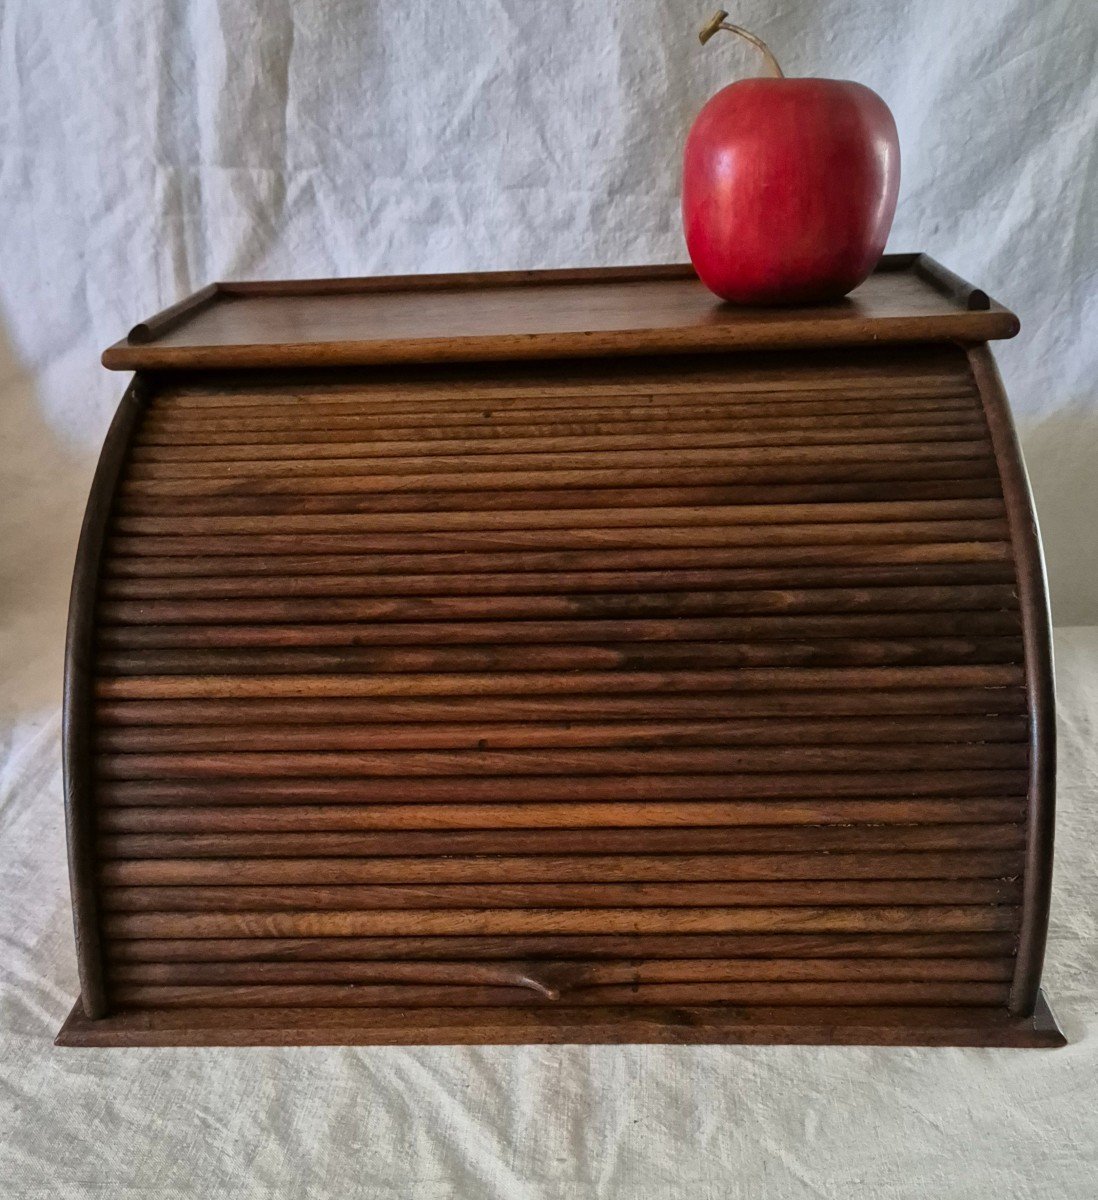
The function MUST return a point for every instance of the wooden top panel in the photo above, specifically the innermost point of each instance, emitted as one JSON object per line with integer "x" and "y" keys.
{"x": 540, "y": 314}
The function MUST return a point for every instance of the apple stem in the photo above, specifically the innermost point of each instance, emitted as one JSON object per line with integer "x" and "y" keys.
{"x": 717, "y": 21}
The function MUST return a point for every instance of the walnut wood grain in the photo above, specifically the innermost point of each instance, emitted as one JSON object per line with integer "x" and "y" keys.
{"x": 79, "y": 721}
{"x": 748, "y": 679}
{"x": 235, "y": 587}
{"x": 607, "y": 950}
{"x": 836, "y": 491}
{"x": 625, "y": 656}
{"x": 289, "y": 898}
{"x": 1033, "y": 595}
{"x": 893, "y": 838}
{"x": 821, "y": 1024}
{"x": 557, "y": 654}
{"x": 576, "y": 314}
{"x": 565, "y": 977}
{"x": 528, "y": 435}
{"x": 570, "y": 518}
{"x": 547, "y": 868}
{"x": 654, "y": 706}
{"x": 230, "y": 813}
{"x": 573, "y": 763}
{"x": 923, "y": 918}
{"x": 526, "y": 735}
{"x": 425, "y": 996}
{"x": 131, "y": 560}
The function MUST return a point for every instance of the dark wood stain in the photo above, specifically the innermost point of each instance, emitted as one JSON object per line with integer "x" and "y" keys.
{"x": 1037, "y": 634}
{"x": 560, "y": 657}
{"x": 79, "y": 707}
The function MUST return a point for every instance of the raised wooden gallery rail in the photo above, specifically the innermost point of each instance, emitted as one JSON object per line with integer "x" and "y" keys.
{"x": 561, "y": 656}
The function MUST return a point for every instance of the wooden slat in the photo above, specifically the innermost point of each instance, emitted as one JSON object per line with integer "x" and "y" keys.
{"x": 129, "y": 558}
{"x": 957, "y": 784}
{"x": 353, "y": 897}
{"x": 924, "y": 918}
{"x": 550, "y": 868}
{"x": 511, "y": 415}
{"x": 653, "y": 383}
{"x": 958, "y": 597}
{"x": 625, "y": 656}
{"x": 408, "y": 764}
{"x": 484, "y": 415}
{"x": 335, "y": 995}
{"x": 800, "y": 401}
{"x": 298, "y": 458}
{"x": 697, "y": 516}
{"x": 565, "y": 978}
{"x": 727, "y": 457}
{"x": 885, "y": 533}
{"x": 652, "y": 840}
{"x": 650, "y": 387}
{"x": 652, "y": 706}
{"x": 972, "y": 466}
{"x": 834, "y": 491}
{"x": 684, "y": 382}
{"x": 287, "y": 818}
{"x": 762, "y": 629}
{"x": 763, "y": 730}
{"x": 537, "y": 949}
{"x": 235, "y": 587}
{"x": 211, "y": 687}
{"x": 398, "y": 399}
{"x": 264, "y": 431}
{"x": 613, "y": 430}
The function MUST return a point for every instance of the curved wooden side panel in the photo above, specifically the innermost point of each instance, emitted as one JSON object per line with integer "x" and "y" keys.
{"x": 1040, "y": 683}
{"x": 77, "y": 735}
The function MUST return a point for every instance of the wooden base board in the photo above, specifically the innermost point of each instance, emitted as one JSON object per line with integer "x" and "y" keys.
{"x": 509, "y": 1026}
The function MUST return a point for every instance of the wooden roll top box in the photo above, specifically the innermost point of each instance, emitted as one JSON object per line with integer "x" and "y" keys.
{"x": 561, "y": 657}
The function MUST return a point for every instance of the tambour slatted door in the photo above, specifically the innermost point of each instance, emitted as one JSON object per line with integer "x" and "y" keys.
{"x": 688, "y": 697}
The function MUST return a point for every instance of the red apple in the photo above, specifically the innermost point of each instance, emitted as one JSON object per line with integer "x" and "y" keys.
{"x": 789, "y": 186}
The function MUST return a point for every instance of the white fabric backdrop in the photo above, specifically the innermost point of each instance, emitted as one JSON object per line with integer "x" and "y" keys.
{"x": 146, "y": 148}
